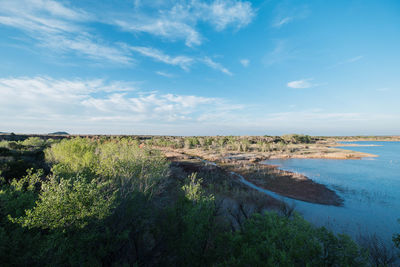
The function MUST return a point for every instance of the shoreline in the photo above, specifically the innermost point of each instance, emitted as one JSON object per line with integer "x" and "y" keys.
{"x": 270, "y": 177}
{"x": 245, "y": 156}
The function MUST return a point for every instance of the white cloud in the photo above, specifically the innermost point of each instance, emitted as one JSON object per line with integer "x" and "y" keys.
{"x": 163, "y": 27}
{"x": 46, "y": 101}
{"x": 215, "y": 65}
{"x": 223, "y": 13}
{"x": 59, "y": 27}
{"x": 286, "y": 13}
{"x": 65, "y": 29}
{"x": 301, "y": 84}
{"x": 43, "y": 104}
{"x": 178, "y": 21}
{"x": 283, "y": 51}
{"x": 165, "y": 74}
{"x": 182, "y": 61}
{"x": 245, "y": 62}
{"x": 282, "y": 22}
{"x": 347, "y": 61}
{"x": 354, "y": 59}
{"x": 85, "y": 45}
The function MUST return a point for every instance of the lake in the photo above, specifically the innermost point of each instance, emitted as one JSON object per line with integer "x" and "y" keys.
{"x": 370, "y": 188}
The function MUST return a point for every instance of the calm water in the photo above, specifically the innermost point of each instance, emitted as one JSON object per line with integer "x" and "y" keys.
{"x": 370, "y": 188}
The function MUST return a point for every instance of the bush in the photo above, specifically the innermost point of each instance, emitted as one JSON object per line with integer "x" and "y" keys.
{"x": 34, "y": 142}
{"x": 129, "y": 166}
{"x": 5, "y": 152}
{"x": 190, "y": 227}
{"x": 68, "y": 203}
{"x": 272, "y": 240}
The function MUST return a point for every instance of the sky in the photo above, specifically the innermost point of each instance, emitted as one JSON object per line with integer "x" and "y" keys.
{"x": 200, "y": 67}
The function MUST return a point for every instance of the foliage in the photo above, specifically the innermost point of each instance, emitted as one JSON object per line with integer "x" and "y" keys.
{"x": 112, "y": 201}
{"x": 126, "y": 164}
{"x": 68, "y": 203}
{"x": 17, "y": 157}
{"x": 17, "y": 245}
{"x": 272, "y": 240}
{"x": 34, "y": 142}
{"x": 396, "y": 239}
{"x": 75, "y": 156}
{"x": 380, "y": 253}
{"x": 191, "y": 227}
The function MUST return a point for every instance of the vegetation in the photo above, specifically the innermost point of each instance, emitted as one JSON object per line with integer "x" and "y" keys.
{"x": 233, "y": 143}
{"x": 113, "y": 202}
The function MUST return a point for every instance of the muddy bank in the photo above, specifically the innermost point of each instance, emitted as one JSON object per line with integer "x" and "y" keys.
{"x": 268, "y": 177}
{"x": 288, "y": 184}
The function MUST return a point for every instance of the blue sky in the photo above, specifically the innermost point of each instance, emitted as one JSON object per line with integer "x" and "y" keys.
{"x": 200, "y": 67}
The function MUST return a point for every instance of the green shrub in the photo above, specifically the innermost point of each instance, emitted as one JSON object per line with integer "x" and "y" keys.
{"x": 190, "y": 227}
{"x": 76, "y": 155}
{"x": 5, "y": 152}
{"x": 34, "y": 142}
{"x": 68, "y": 203}
{"x": 129, "y": 166}
{"x": 272, "y": 240}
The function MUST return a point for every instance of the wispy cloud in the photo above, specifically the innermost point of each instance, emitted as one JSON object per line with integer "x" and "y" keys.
{"x": 185, "y": 62}
{"x": 165, "y": 74}
{"x": 182, "y": 61}
{"x": 179, "y": 20}
{"x": 215, "y": 65}
{"x": 282, "y": 22}
{"x": 223, "y": 13}
{"x": 163, "y": 27}
{"x": 65, "y": 29}
{"x": 347, "y": 61}
{"x": 85, "y": 45}
{"x": 286, "y": 14}
{"x": 245, "y": 62}
{"x": 282, "y": 51}
{"x": 59, "y": 27}
{"x": 301, "y": 84}
{"x": 354, "y": 59}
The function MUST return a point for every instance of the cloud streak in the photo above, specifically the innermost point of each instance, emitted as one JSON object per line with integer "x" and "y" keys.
{"x": 182, "y": 61}
{"x": 54, "y": 25}
{"x": 179, "y": 21}
{"x": 245, "y": 62}
{"x": 215, "y": 65}
{"x": 282, "y": 22}
{"x": 286, "y": 14}
{"x": 65, "y": 29}
{"x": 301, "y": 84}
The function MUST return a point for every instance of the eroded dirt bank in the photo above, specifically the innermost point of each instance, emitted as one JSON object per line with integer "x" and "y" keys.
{"x": 269, "y": 177}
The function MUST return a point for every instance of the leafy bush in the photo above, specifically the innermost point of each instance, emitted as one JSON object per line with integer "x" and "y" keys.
{"x": 190, "y": 227}
{"x": 129, "y": 166}
{"x": 76, "y": 155}
{"x": 34, "y": 142}
{"x": 272, "y": 240}
{"x": 68, "y": 203}
{"x": 5, "y": 152}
